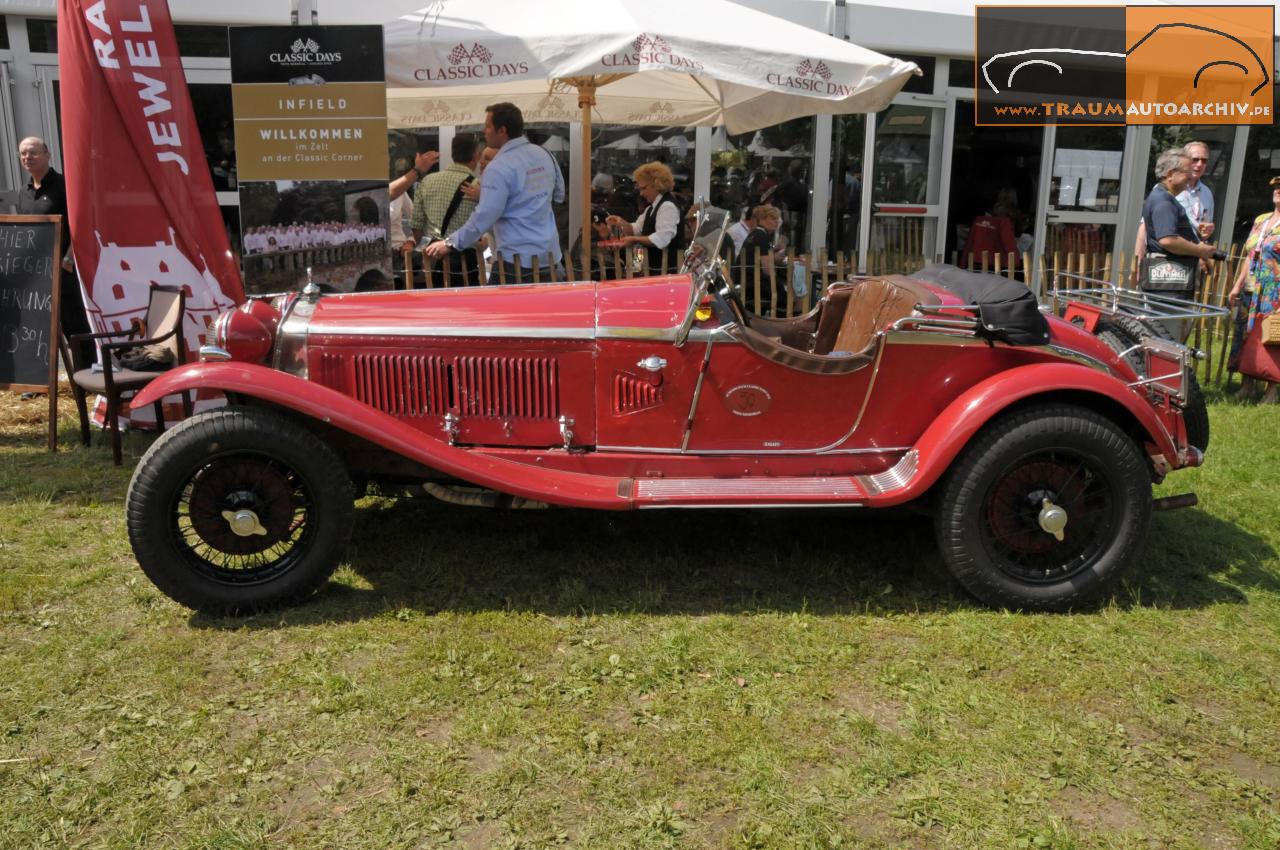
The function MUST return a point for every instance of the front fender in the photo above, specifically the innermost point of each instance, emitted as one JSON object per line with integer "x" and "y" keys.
{"x": 951, "y": 431}
{"x": 573, "y": 489}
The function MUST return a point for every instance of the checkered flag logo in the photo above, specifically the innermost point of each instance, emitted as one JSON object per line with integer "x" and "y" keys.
{"x": 656, "y": 43}
{"x": 809, "y": 69}
{"x": 477, "y": 53}
{"x": 308, "y": 46}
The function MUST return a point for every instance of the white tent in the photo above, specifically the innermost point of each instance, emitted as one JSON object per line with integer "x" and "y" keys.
{"x": 556, "y": 144}
{"x": 633, "y": 142}
{"x": 720, "y": 141}
{"x": 645, "y": 62}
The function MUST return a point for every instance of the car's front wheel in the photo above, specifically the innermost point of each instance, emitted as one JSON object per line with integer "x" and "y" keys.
{"x": 238, "y": 509}
{"x": 1044, "y": 509}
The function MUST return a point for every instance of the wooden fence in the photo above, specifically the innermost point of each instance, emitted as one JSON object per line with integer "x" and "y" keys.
{"x": 797, "y": 283}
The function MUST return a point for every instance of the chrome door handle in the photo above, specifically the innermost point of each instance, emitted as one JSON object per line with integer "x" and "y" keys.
{"x": 652, "y": 363}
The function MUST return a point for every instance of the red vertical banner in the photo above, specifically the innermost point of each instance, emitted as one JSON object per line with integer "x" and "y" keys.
{"x": 142, "y": 204}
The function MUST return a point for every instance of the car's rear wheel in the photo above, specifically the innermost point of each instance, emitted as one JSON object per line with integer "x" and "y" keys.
{"x": 1044, "y": 509}
{"x": 239, "y": 509}
{"x": 1122, "y": 334}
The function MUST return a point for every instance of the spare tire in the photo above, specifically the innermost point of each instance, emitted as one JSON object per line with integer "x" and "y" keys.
{"x": 1123, "y": 333}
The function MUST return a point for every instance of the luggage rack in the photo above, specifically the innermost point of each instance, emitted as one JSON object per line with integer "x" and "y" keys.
{"x": 1144, "y": 306}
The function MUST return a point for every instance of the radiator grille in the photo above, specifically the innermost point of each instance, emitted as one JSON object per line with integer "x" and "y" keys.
{"x": 632, "y": 394}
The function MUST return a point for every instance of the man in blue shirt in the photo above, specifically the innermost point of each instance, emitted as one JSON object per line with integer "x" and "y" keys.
{"x": 1197, "y": 199}
{"x": 516, "y": 192}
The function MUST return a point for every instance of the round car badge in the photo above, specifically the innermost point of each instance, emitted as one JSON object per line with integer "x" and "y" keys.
{"x": 748, "y": 400}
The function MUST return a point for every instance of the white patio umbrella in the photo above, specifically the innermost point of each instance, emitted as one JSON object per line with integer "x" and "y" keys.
{"x": 647, "y": 62}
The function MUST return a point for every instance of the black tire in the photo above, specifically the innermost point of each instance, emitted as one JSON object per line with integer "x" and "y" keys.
{"x": 1122, "y": 333}
{"x": 238, "y": 460}
{"x": 988, "y": 517}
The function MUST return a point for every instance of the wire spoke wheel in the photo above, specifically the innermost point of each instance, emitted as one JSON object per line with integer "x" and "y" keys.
{"x": 1014, "y": 534}
{"x": 252, "y": 487}
{"x": 1044, "y": 509}
{"x": 239, "y": 509}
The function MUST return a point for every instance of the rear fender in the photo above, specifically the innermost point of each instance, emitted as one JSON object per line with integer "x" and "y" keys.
{"x": 573, "y": 489}
{"x": 952, "y": 430}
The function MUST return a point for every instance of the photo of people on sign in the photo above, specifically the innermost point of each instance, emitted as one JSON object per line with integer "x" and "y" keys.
{"x": 338, "y": 229}
{"x": 311, "y": 148}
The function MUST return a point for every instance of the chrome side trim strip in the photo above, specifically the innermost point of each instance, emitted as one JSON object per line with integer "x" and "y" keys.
{"x": 1075, "y": 357}
{"x": 745, "y": 453}
{"x": 718, "y": 335}
{"x": 454, "y": 331}
{"x": 645, "y": 334}
{"x": 771, "y": 505}
{"x": 671, "y": 488}
{"x": 936, "y": 337}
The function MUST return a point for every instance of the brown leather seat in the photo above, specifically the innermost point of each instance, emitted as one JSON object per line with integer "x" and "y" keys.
{"x": 830, "y": 319}
{"x": 874, "y": 304}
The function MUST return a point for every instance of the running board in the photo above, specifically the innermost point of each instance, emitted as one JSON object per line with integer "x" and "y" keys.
{"x": 765, "y": 492}
{"x": 746, "y": 492}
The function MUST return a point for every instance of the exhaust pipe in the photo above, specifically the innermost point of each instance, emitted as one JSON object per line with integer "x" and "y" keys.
{"x": 1172, "y": 503}
{"x": 477, "y": 498}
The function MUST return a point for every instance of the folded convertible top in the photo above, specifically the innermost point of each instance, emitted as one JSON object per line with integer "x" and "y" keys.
{"x": 1007, "y": 309}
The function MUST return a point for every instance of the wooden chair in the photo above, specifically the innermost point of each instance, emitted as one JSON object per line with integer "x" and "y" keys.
{"x": 163, "y": 326}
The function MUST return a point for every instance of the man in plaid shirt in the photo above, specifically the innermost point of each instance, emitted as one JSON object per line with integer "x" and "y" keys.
{"x": 442, "y": 206}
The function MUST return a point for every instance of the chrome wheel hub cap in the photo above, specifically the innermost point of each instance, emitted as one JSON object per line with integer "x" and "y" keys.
{"x": 1053, "y": 519}
{"x": 243, "y": 522}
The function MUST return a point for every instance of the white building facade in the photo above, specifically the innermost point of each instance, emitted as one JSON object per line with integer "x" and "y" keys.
{"x": 905, "y": 182}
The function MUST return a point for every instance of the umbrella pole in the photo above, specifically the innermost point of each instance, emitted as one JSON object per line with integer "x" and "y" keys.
{"x": 586, "y": 100}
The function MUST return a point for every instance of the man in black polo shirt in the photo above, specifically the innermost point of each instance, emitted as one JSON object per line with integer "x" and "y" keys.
{"x": 46, "y": 194}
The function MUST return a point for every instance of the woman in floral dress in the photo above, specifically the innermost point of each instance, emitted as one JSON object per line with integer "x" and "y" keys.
{"x": 1257, "y": 292}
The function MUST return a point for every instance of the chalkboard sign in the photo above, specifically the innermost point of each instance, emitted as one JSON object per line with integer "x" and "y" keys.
{"x": 30, "y": 271}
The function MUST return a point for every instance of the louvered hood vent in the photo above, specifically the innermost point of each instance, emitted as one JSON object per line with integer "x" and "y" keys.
{"x": 409, "y": 385}
{"x": 631, "y": 394}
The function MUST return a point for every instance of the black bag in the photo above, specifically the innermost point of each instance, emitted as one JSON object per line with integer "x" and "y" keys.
{"x": 147, "y": 358}
{"x": 1163, "y": 272}
{"x": 465, "y": 264}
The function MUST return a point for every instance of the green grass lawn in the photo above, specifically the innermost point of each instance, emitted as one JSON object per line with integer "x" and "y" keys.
{"x": 480, "y": 679}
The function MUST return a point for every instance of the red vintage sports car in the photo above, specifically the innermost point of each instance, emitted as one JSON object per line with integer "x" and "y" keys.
{"x": 1033, "y": 440}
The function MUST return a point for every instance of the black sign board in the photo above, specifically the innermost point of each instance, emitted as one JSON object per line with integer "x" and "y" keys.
{"x": 306, "y": 55}
{"x": 30, "y": 271}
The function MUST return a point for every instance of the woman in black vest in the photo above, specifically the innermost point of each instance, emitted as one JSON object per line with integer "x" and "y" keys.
{"x": 658, "y": 227}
